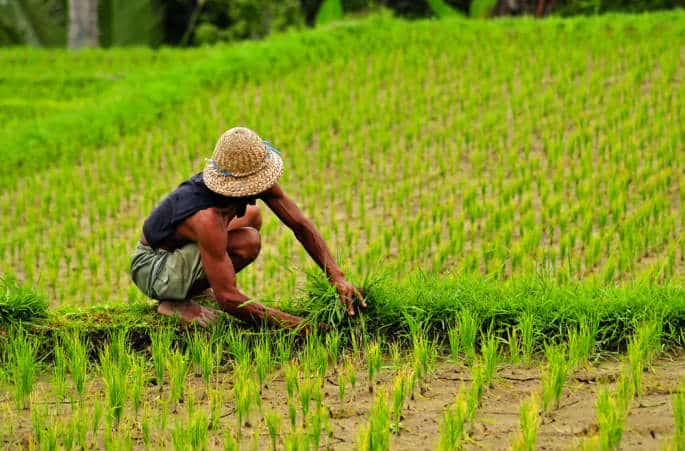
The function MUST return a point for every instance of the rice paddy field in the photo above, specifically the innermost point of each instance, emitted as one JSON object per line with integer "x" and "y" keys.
{"x": 508, "y": 194}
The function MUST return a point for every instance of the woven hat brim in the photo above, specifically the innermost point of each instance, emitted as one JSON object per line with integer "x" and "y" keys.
{"x": 244, "y": 186}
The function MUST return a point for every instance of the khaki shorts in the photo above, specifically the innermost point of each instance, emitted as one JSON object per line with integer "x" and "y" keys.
{"x": 163, "y": 275}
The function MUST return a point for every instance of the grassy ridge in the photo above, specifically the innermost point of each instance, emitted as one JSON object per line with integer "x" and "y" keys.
{"x": 433, "y": 302}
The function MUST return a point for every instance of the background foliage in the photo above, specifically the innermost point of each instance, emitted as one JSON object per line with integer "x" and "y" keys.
{"x": 183, "y": 22}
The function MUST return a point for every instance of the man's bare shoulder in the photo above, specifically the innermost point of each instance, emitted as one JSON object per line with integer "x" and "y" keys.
{"x": 204, "y": 226}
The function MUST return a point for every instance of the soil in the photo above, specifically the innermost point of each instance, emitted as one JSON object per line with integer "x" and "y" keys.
{"x": 650, "y": 424}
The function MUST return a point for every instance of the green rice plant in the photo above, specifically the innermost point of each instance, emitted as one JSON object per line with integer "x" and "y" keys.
{"x": 273, "y": 421}
{"x": 263, "y": 360}
{"x": 59, "y": 381}
{"x": 284, "y": 348}
{"x": 554, "y": 376}
{"x": 377, "y": 434}
{"x": 39, "y": 418}
{"x": 77, "y": 349}
{"x": 23, "y": 365}
{"x": 424, "y": 359}
{"x": 476, "y": 390}
{"x": 292, "y": 379}
{"x": 216, "y": 402}
{"x": 342, "y": 385}
{"x": 678, "y": 404}
{"x": 469, "y": 325}
{"x": 177, "y": 366}
{"x": 292, "y": 413}
{"x": 296, "y": 440}
{"x": 529, "y": 418}
{"x": 400, "y": 390}
{"x": 160, "y": 347}
{"x": 137, "y": 381}
{"x": 146, "y": 427}
{"x": 115, "y": 380}
{"x": 98, "y": 413}
{"x": 310, "y": 390}
{"x": 490, "y": 356}
{"x": 581, "y": 342}
{"x": 245, "y": 394}
{"x": 315, "y": 425}
{"x": 636, "y": 361}
{"x": 333, "y": 345}
{"x": 373, "y": 357}
{"x": 454, "y": 337}
{"x": 237, "y": 346}
{"x": 611, "y": 419}
{"x": 395, "y": 351}
{"x": 514, "y": 344}
{"x": 230, "y": 442}
{"x": 527, "y": 328}
{"x": 351, "y": 373}
{"x": 198, "y": 430}
{"x": 453, "y": 426}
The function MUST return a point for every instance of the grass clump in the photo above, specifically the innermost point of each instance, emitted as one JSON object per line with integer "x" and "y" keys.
{"x": 23, "y": 365}
{"x": 19, "y": 303}
{"x": 529, "y": 418}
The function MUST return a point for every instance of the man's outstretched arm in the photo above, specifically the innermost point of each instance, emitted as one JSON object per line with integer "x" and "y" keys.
{"x": 312, "y": 241}
{"x": 213, "y": 240}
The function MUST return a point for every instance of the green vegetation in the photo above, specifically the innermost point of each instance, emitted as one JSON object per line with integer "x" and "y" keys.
{"x": 502, "y": 191}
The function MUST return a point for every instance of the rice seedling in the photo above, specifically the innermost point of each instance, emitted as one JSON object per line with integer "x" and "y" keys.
{"x": 453, "y": 426}
{"x": 273, "y": 422}
{"x": 315, "y": 425}
{"x": 342, "y": 385}
{"x": 198, "y": 430}
{"x": 400, "y": 390}
{"x": 292, "y": 379}
{"x": 160, "y": 348}
{"x": 373, "y": 357}
{"x": 581, "y": 342}
{"x": 611, "y": 419}
{"x": 678, "y": 405}
{"x": 216, "y": 402}
{"x": 554, "y": 376}
{"x": 177, "y": 367}
{"x": 490, "y": 356}
{"x": 230, "y": 442}
{"x": 476, "y": 390}
{"x": 245, "y": 395}
{"x": 263, "y": 360}
{"x": 59, "y": 382}
{"x": 115, "y": 379}
{"x": 529, "y": 418}
{"x": 333, "y": 343}
{"x": 527, "y": 328}
{"x": 454, "y": 337}
{"x": 377, "y": 434}
{"x": 468, "y": 323}
{"x": 514, "y": 344}
{"x": 23, "y": 364}
{"x": 77, "y": 347}
{"x": 137, "y": 382}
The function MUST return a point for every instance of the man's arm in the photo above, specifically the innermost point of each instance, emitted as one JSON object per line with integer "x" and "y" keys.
{"x": 212, "y": 238}
{"x": 312, "y": 241}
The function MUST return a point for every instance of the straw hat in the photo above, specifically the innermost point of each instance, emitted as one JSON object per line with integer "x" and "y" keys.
{"x": 243, "y": 164}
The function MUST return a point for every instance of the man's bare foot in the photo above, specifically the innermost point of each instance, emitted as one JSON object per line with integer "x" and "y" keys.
{"x": 189, "y": 312}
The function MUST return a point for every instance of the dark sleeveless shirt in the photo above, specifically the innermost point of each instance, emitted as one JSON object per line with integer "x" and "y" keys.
{"x": 190, "y": 197}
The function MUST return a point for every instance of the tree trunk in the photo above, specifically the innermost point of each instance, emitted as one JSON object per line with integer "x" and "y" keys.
{"x": 83, "y": 23}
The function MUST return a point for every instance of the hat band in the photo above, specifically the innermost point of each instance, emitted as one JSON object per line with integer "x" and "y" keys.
{"x": 226, "y": 173}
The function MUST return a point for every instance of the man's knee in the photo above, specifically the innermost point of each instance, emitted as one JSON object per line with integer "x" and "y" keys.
{"x": 250, "y": 244}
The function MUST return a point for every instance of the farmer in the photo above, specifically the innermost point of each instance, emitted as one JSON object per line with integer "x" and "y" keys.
{"x": 207, "y": 230}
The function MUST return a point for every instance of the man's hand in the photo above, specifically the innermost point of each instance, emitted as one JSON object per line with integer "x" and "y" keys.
{"x": 348, "y": 294}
